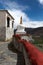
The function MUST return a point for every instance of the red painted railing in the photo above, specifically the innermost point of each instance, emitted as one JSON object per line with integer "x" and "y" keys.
{"x": 35, "y": 55}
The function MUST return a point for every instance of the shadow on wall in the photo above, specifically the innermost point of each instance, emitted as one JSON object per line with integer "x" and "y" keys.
{"x": 15, "y": 31}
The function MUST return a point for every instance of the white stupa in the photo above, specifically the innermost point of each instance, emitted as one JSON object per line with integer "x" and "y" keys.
{"x": 20, "y": 28}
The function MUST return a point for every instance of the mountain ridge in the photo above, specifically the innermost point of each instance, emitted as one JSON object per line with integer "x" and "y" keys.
{"x": 34, "y": 31}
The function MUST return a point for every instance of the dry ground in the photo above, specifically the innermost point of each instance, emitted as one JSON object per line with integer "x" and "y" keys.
{"x": 8, "y": 57}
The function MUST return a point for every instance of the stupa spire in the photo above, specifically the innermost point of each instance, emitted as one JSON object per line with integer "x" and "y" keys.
{"x": 21, "y": 20}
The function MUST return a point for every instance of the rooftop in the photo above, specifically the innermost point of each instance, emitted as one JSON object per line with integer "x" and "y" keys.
{"x": 8, "y": 13}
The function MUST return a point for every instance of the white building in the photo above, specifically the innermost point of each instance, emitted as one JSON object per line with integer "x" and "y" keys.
{"x": 6, "y": 25}
{"x": 20, "y": 28}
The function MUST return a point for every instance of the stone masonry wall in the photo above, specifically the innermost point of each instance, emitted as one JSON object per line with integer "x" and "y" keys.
{"x": 2, "y": 33}
{"x": 5, "y": 33}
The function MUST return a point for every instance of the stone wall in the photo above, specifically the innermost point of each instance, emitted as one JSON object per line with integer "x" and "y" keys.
{"x": 2, "y": 33}
{"x": 2, "y": 18}
{"x": 21, "y": 48}
{"x": 5, "y": 33}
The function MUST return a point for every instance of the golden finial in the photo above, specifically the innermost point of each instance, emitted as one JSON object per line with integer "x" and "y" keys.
{"x": 21, "y": 20}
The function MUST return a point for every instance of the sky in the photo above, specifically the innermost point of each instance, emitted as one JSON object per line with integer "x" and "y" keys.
{"x": 30, "y": 10}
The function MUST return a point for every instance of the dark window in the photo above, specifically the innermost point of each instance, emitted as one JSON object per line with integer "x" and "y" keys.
{"x": 12, "y": 23}
{"x": 8, "y": 22}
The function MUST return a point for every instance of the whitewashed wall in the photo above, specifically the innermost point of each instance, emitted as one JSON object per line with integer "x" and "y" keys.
{"x": 5, "y": 32}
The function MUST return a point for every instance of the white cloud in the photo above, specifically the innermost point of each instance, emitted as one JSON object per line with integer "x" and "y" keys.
{"x": 16, "y": 11}
{"x": 33, "y": 24}
{"x": 41, "y": 1}
{"x": 17, "y": 14}
{"x": 26, "y": 21}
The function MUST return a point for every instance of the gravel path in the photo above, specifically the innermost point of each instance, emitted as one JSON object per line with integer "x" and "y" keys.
{"x": 7, "y": 57}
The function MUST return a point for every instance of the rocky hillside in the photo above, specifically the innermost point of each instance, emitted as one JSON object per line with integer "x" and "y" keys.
{"x": 34, "y": 31}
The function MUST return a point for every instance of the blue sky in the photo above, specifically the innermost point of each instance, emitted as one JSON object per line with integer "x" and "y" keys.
{"x": 30, "y": 10}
